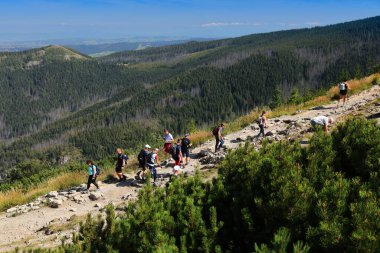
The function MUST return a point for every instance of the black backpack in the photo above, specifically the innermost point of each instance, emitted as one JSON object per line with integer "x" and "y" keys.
{"x": 149, "y": 157}
{"x": 172, "y": 150}
{"x": 141, "y": 155}
{"x": 98, "y": 169}
{"x": 215, "y": 131}
{"x": 186, "y": 143}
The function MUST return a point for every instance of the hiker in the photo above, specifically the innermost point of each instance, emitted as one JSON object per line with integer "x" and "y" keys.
{"x": 262, "y": 121}
{"x": 142, "y": 158}
{"x": 168, "y": 138}
{"x": 219, "y": 140}
{"x": 120, "y": 164}
{"x": 185, "y": 145}
{"x": 343, "y": 92}
{"x": 152, "y": 160}
{"x": 177, "y": 154}
{"x": 322, "y": 121}
{"x": 92, "y": 173}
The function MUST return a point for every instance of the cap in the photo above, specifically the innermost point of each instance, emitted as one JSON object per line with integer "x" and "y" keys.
{"x": 187, "y": 134}
{"x": 147, "y": 146}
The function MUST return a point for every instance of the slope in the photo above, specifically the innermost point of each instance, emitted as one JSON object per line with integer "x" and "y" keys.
{"x": 203, "y": 82}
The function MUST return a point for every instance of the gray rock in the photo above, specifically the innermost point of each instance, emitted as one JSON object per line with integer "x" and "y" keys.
{"x": 63, "y": 193}
{"x": 73, "y": 209}
{"x": 95, "y": 195}
{"x": 12, "y": 210}
{"x": 203, "y": 153}
{"x": 269, "y": 133}
{"x": 55, "y": 202}
{"x": 52, "y": 194}
{"x": 98, "y": 205}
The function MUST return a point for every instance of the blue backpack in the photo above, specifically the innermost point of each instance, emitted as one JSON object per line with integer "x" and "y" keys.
{"x": 98, "y": 169}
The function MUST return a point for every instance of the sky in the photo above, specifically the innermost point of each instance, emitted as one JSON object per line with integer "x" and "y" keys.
{"x": 27, "y": 20}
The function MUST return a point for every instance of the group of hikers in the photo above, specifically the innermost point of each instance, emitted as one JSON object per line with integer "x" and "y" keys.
{"x": 179, "y": 152}
{"x": 148, "y": 159}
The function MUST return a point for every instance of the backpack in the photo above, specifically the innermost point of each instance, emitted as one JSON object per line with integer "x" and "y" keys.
{"x": 98, "y": 169}
{"x": 259, "y": 120}
{"x": 149, "y": 158}
{"x": 172, "y": 150}
{"x": 140, "y": 157}
{"x": 185, "y": 143}
{"x": 215, "y": 131}
{"x": 342, "y": 86}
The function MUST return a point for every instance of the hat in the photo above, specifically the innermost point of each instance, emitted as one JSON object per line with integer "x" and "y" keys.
{"x": 147, "y": 146}
{"x": 187, "y": 134}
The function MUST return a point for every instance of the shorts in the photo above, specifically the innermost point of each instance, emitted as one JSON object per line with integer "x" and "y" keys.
{"x": 343, "y": 92}
{"x": 185, "y": 153}
{"x": 118, "y": 169}
{"x": 167, "y": 147}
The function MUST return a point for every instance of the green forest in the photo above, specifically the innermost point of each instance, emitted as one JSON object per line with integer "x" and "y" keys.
{"x": 282, "y": 198}
{"x": 54, "y": 100}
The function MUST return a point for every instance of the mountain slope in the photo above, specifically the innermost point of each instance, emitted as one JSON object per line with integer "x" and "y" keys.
{"x": 127, "y": 98}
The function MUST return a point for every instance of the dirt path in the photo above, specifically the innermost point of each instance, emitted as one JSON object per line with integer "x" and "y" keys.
{"x": 22, "y": 230}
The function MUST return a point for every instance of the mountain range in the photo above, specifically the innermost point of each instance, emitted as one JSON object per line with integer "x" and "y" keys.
{"x": 55, "y": 100}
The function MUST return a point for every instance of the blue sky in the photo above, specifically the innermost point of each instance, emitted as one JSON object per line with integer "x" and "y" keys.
{"x": 107, "y": 19}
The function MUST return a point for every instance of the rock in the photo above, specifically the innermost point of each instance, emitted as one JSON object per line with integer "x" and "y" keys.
{"x": 73, "y": 209}
{"x": 239, "y": 139}
{"x": 95, "y": 195}
{"x": 377, "y": 104}
{"x": 78, "y": 199}
{"x": 98, "y": 205}
{"x": 83, "y": 186}
{"x": 12, "y": 210}
{"x": 63, "y": 193}
{"x": 283, "y": 132}
{"x": 276, "y": 120}
{"x": 269, "y": 133}
{"x": 48, "y": 232}
{"x": 55, "y": 202}
{"x": 287, "y": 121}
{"x": 52, "y": 194}
{"x": 203, "y": 153}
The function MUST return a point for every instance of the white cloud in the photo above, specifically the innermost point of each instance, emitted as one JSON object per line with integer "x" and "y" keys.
{"x": 219, "y": 24}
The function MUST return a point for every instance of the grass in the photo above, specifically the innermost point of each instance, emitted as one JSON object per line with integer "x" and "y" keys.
{"x": 64, "y": 181}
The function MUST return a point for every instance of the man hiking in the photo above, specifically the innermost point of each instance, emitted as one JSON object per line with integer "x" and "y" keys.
{"x": 323, "y": 122}
{"x": 185, "y": 145}
{"x": 120, "y": 164}
{"x": 168, "y": 138}
{"x": 219, "y": 140}
{"x": 92, "y": 173}
{"x": 262, "y": 121}
{"x": 177, "y": 155}
{"x": 152, "y": 162}
{"x": 142, "y": 158}
{"x": 343, "y": 92}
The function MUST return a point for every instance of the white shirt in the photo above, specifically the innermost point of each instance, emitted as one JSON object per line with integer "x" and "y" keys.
{"x": 153, "y": 160}
{"x": 321, "y": 120}
{"x": 168, "y": 138}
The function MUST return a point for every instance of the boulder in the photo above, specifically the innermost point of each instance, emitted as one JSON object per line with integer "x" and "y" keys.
{"x": 55, "y": 202}
{"x": 98, "y": 205}
{"x": 78, "y": 199}
{"x": 63, "y": 193}
{"x": 95, "y": 195}
{"x": 203, "y": 153}
{"x": 287, "y": 121}
{"x": 269, "y": 133}
{"x": 12, "y": 210}
{"x": 52, "y": 194}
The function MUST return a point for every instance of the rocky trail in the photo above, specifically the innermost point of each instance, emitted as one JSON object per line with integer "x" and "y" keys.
{"x": 32, "y": 224}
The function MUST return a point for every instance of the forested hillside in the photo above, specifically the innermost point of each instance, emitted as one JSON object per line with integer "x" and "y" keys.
{"x": 52, "y": 100}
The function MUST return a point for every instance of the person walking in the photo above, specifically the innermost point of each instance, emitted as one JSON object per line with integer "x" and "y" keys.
{"x": 142, "y": 158}
{"x": 153, "y": 162}
{"x": 262, "y": 121}
{"x": 219, "y": 140}
{"x": 168, "y": 138}
{"x": 92, "y": 174}
{"x": 120, "y": 164}
{"x": 343, "y": 92}
{"x": 185, "y": 145}
{"x": 177, "y": 156}
{"x": 322, "y": 121}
